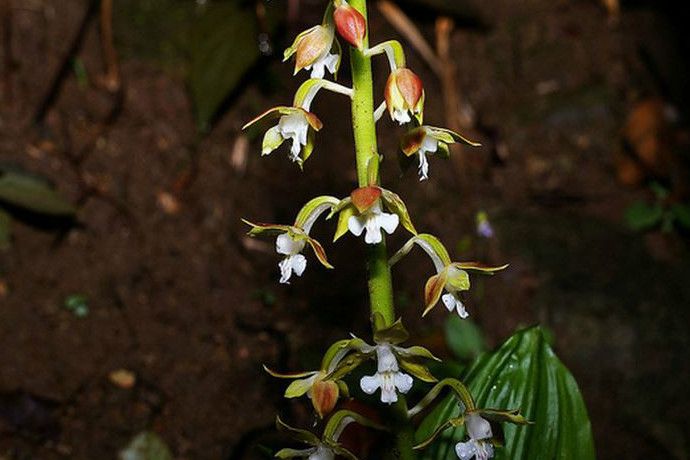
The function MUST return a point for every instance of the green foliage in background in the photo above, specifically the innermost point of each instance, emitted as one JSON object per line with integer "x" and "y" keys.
{"x": 523, "y": 373}
{"x": 642, "y": 216}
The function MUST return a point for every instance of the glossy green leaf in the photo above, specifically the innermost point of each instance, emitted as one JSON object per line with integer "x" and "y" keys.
{"x": 224, "y": 47}
{"x": 524, "y": 374}
{"x": 464, "y": 338}
{"x": 146, "y": 446}
{"x": 33, "y": 194}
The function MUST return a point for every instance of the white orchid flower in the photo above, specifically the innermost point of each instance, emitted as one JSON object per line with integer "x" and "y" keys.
{"x": 313, "y": 51}
{"x": 294, "y": 262}
{"x": 388, "y": 376}
{"x": 373, "y": 220}
{"x": 425, "y": 140}
{"x": 479, "y": 430}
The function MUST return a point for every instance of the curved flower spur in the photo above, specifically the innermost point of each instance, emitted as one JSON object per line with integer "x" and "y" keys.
{"x": 291, "y": 239}
{"x": 453, "y": 277}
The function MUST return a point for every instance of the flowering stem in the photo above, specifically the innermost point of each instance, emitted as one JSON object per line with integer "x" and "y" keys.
{"x": 380, "y": 283}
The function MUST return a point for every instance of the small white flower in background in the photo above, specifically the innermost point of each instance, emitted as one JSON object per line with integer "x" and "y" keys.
{"x": 293, "y": 126}
{"x": 373, "y": 221}
{"x": 294, "y": 262}
{"x": 484, "y": 228}
{"x": 429, "y": 145}
{"x": 478, "y": 429}
{"x": 388, "y": 376}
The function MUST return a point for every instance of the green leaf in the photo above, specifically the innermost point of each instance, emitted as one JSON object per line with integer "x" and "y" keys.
{"x": 146, "y": 446}
{"x": 224, "y": 46}
{"x": 464, "y": 338}
{"x": 33, "y": 194}
{"x": 5, "y": 230}
{"x": 642, "y": 216}
{"x": 524, "y": 374}
{"x": 681, "y": 213}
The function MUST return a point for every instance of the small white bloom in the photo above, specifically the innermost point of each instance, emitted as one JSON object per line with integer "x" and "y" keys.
{"x": 322, "y": 453}
{"x": 402, "y": 116}
{"x": 327, "y": 61}
{"x": 478, "y": 429}
{"x": 453, "y": 302}
{"x": 373, "y": 220}
{"x": 429, "y": 145}
{"x": 388, "y": 376}
{"x": 294, "y": 126}
{"x": 294, "y": 262}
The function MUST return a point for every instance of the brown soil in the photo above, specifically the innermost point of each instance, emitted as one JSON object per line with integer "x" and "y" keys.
{"x": 178, "y": 296}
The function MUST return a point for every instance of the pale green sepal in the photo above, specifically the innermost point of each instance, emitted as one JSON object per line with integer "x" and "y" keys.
{"x": 458, "y": 281}
{"x": 338, "y": 350}
{"x": 344, "y": 389}
{"x": 272, "y": 140}
{"x": 393, "y": 334}
{"x": 416, "y": 352}
{"x": 395, "y": 204}
{"x": 272, "y": 229}
{"x": 338, "y": 421}
{"x": 440, "y": 429}
{"x": 478, "y": 267}
{"x": 448, "y": 136}
{"x": 319, "y": 252}
{"x": 500, "y": 416}
{"x": 431, "y": 245}
{"x": 443, "y": 151}
{"x": 271, "y": 113}
{"x": 304, "y": 436}
{"x": 299, "y": 387}
{"x": 419, "y": 109}
{"x": 288, "y": 375}
{"x": 311, "y": 211}
{"x": 293, "y": 453}
{"x": 459, "y": 389}
{"x": 418, "y": 370}
{"x": 340, "y": 206}
{"x": 343, "y": 219}
{"x": 347, "y": 365}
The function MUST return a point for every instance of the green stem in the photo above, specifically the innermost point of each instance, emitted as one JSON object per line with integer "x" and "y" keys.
{"x": 380, "y": 282}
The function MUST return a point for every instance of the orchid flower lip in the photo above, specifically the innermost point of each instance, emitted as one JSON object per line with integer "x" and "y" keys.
{"x": 293, "y": 262}
{"x": 387, "y": 377}
{"x": 374, "y": 221}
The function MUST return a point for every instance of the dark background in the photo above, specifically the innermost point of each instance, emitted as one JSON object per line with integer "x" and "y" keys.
{"x": 579, "y": 109}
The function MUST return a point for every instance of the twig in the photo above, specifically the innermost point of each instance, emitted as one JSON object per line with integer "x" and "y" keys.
{"x": 53, "y": 90}
{"x": 6, "y": 26}
{"x": 111, "y": 79}
{"x": 407, "y": 29}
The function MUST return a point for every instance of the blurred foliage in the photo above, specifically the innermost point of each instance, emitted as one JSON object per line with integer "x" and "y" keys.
{"x": 524, "y": 373}
{"x": 25, "y": 193}
{"x": 77, "y": 304}
{"x": 464, "y": 338}
{"x": 214, "y": 45}
{"x": 146, "y": 446}
{"x": 641, "y": 216}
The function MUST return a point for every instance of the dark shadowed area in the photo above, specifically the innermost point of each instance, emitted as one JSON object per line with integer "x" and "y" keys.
{"x": 145, "y": 307}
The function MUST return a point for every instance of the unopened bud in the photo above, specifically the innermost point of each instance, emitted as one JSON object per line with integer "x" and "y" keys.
{"x": 364, "y": 197}
{"x": 324, "y": 396}
{"x": 404, "y": 94}
{"x": 350, "y": 24}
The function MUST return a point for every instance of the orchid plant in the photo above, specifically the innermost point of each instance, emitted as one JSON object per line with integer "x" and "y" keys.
{"x": 371, "y": 211}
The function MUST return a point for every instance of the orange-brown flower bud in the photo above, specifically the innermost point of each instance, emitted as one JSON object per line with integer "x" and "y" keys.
{"x": 350, "y": 24}
{"x": 404, "y": 95}
{"x": 324, "y": 396}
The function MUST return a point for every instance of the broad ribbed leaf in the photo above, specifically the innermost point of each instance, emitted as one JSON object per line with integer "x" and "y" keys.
{"x": 524, "y": 374}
